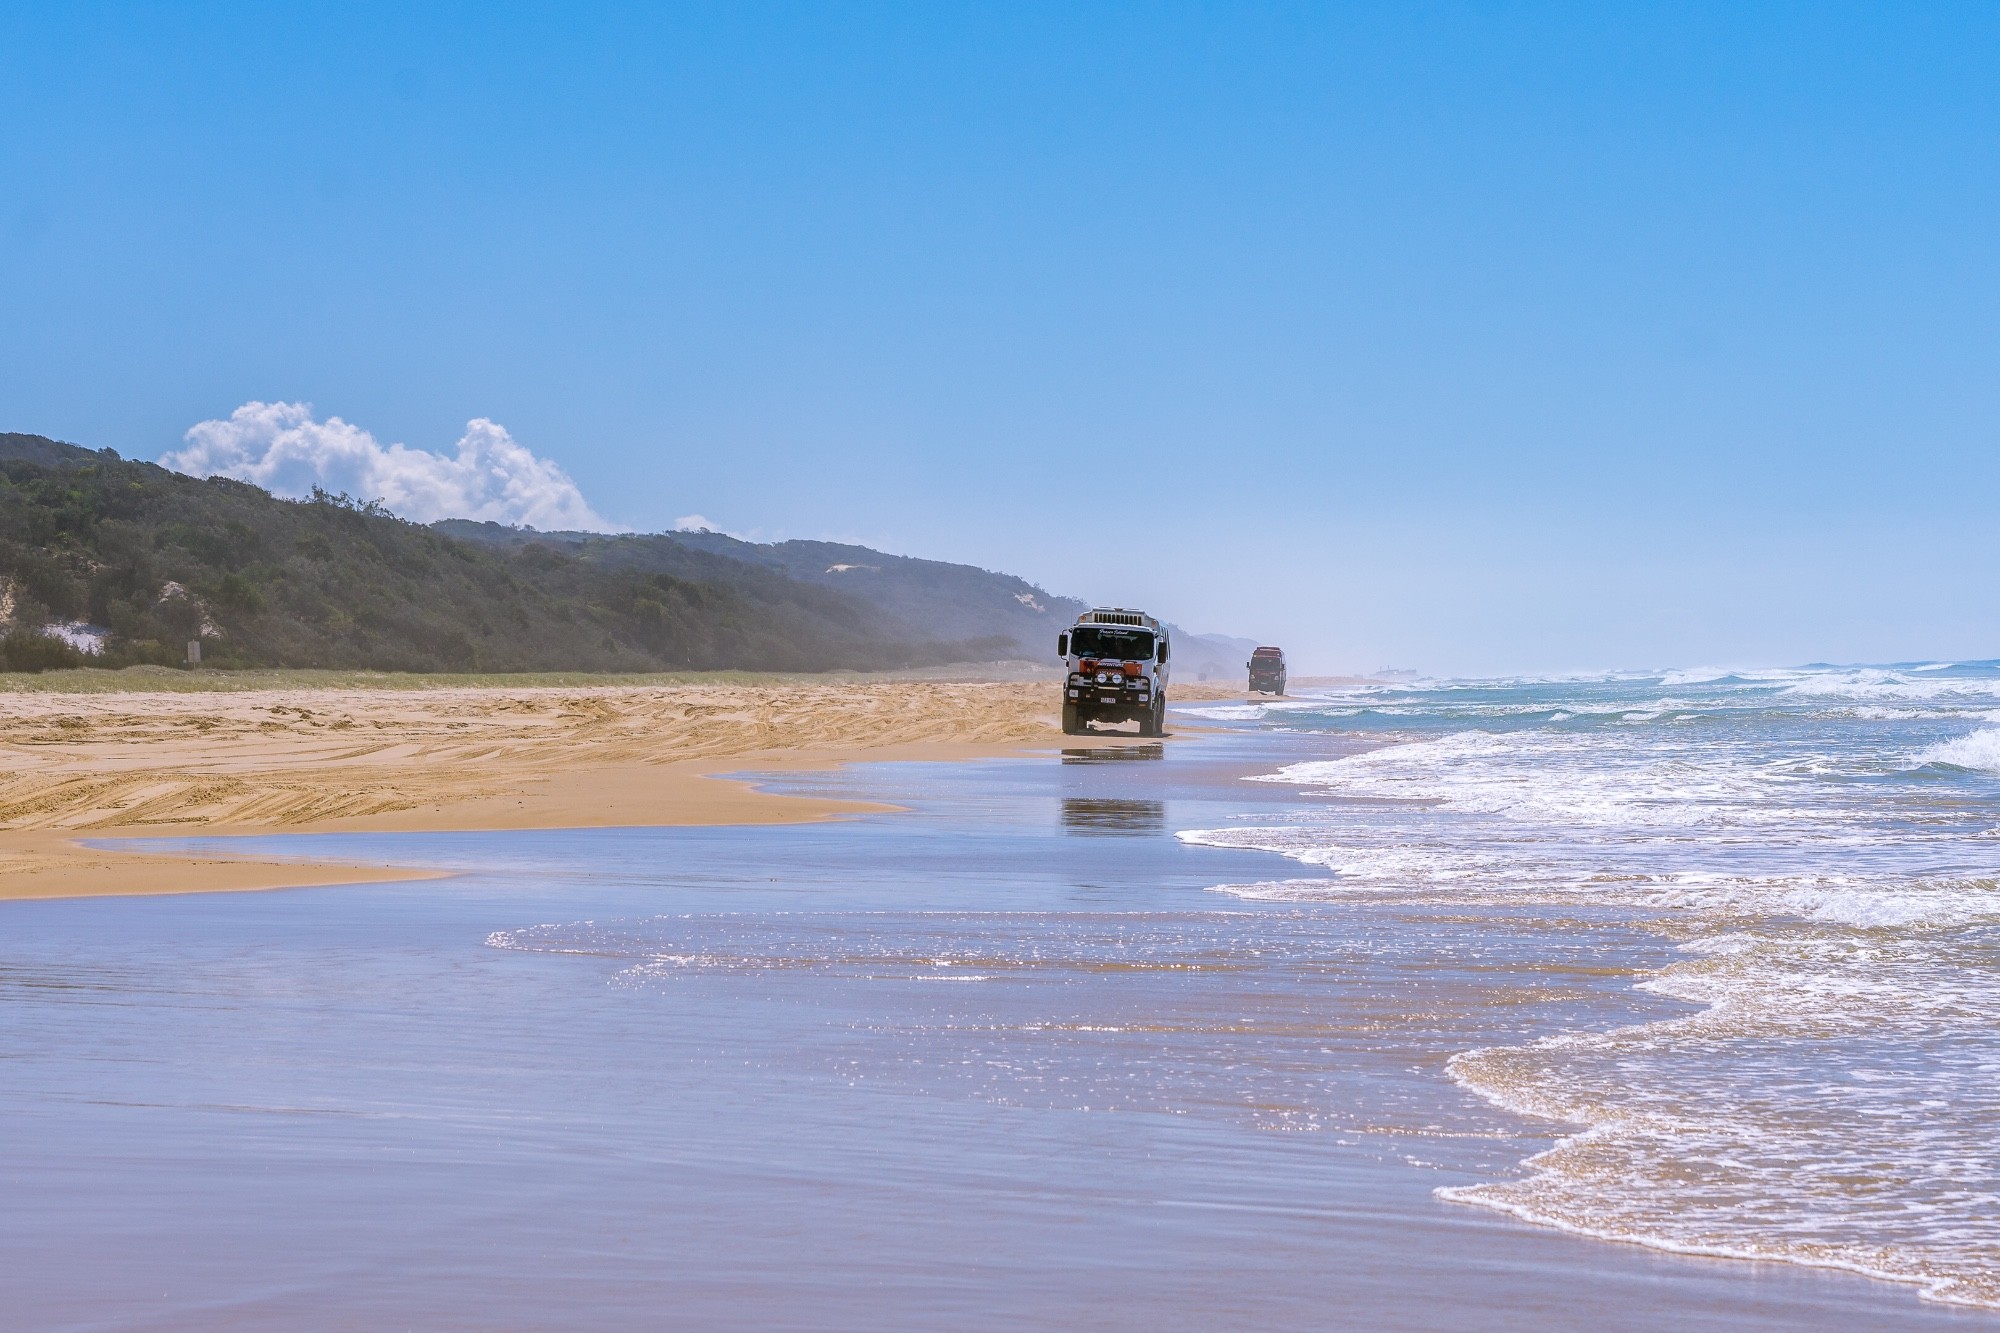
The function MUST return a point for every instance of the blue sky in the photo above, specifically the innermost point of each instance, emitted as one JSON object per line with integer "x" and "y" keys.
{"x": 1462, "y": 338}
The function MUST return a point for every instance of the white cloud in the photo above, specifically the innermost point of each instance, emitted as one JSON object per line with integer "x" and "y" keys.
{"x": 702, "y": 523}
{"x": 493, "y": 477}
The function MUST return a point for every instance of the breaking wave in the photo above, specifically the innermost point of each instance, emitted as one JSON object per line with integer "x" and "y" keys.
{"x": 1978, "y": 753}
{"x": 1824, "y": 846}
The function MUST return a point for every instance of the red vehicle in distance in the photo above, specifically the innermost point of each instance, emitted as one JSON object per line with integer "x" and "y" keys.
{"x": 1267, "y": 671}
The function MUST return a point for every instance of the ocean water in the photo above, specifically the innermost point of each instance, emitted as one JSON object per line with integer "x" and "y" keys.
{"x": 1113, "y": 1036}
{"x": 1822, "y": 849}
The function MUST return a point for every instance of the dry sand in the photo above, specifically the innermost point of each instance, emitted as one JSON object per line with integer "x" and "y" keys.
{"x": 151, "y": 763}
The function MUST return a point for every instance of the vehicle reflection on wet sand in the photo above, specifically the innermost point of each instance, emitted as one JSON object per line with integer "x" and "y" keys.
{"x": 1091, "y": 816}
{"x": 1113, "y": 754}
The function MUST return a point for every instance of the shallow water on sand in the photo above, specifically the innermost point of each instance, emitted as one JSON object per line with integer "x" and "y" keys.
{"x": 1003, "y": 1058}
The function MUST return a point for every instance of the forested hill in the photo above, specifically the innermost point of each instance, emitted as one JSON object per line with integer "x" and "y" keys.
{"x": 927, "y": 598}
{"x": 157, "y": 558}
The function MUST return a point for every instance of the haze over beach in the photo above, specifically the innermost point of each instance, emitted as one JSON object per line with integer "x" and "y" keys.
{"x": 1173, "y": 667}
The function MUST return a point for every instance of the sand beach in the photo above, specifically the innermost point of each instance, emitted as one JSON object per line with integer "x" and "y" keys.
{"x": 1313, "y": 1014}
{"x": 320, "y": 758}
{"x": 87, "y": 758}
{"x": 1049, "y": 1037}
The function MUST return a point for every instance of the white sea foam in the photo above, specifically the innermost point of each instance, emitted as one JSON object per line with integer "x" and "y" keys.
{"x": 1287, "y": 890}
{"x": 1832, "y": 870}
{"x": 1884, "y": 684}
{"x": 1700, "y": 676}
{"x": 1559, "y": 777}
{"x": 1827, "y": 1106}
{"x": 1225, "y": 712}
{"x": 1980, "y": 751}
{"x": 1251, "y": 712}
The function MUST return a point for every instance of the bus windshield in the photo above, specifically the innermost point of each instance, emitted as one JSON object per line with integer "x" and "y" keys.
{"x": 1124, "y": 645}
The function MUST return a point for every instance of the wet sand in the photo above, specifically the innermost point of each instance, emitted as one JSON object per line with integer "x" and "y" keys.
{"x": 1000, "y": 1059}
{"x": 130, "y": 763}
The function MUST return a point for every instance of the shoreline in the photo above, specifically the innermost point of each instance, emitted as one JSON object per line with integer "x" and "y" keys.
{"x": 91, "y": 770}
{"x": 696, "y": 793}
{"x": 1259, "y": 1170}
{"x": 993, "y": 911}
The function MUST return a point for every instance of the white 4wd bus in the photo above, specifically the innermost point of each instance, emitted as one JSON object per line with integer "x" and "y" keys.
{"x": 1117, "y": 662}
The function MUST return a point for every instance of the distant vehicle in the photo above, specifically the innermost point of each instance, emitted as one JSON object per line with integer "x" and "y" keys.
{"x": 1267, "y": 671}
{"x": 1117, "y": 662}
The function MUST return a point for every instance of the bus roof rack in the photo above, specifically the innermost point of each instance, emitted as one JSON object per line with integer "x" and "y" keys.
{"x": 1117, "y": 615}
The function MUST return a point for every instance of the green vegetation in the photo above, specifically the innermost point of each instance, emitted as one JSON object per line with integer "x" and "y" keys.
{"x": 25, "y": 650}
{"x": 949, "y": 601}
{"x": 176, "y": 680}
{"x": 160, "y": 559}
